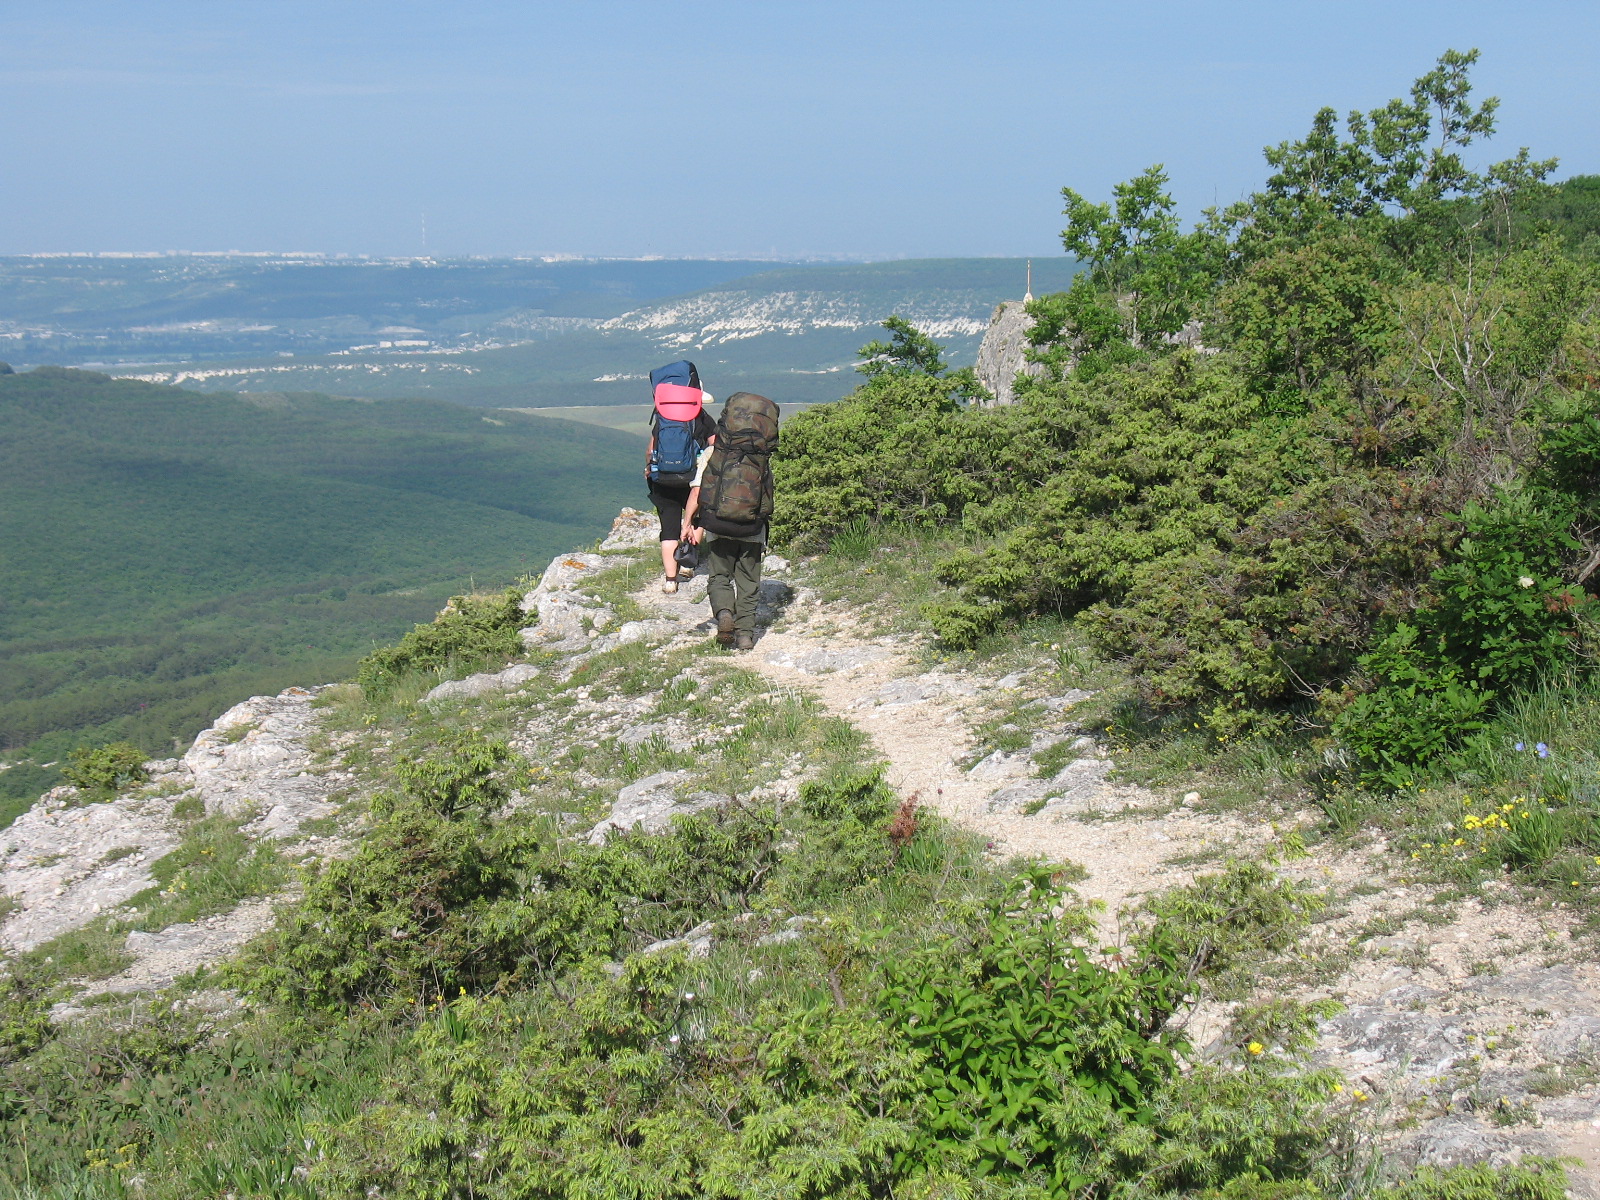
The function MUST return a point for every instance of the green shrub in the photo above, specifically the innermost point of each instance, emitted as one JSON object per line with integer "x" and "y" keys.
{"x": 421, "y": 906}
{"x": 189, "y": 1103}
{"x": 1530, "y": 1179}
{"x": 105, "y": 768}
{"x": 1503, "y": 615}
{"x": 846, "y": 833}
{"x": 897, "y": 450}
{"x": 419, "y": 909}
{"x": 1501, "y": 622}
{"x": 1021, "y": 1027}
{"x": 461, "y": 771}
{"x": 1094, "y": 480}
{"x": 1420, "y": 710}
{"x": 1239, "y": 526}
{"x": 998, "y": 1060}
{"x": 631, "y": 1088}
{"x": 24, "y": 1016}
{"x": 850, "y": 795}
{"x": 1310, "y": 313}
{"x": 1260, "y": 1129}
{"x": 1222, "y": 922}
{"x": 470, "y": 631}
{"x": 440, "y": 896}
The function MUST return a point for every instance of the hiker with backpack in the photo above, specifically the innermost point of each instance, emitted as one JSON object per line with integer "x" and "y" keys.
{"x": 730, "y": 502}
{"x": 680, "y": 429}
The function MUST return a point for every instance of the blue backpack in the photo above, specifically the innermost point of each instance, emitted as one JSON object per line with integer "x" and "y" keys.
{"x": 677, "y": 450}
{"x": 682, "y": 372}
{"x": 677, "y": 417}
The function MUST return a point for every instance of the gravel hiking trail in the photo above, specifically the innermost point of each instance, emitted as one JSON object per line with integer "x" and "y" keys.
{"x": 1456, "y": 1053}
{"x": 1130, "y": 840}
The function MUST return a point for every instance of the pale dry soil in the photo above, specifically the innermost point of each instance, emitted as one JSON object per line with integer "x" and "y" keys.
{"x": 1460, "y": 1018}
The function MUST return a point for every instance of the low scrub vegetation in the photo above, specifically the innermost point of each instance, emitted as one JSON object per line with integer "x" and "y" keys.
{"x": 102, "y": 770}
{"x": 470, "y": 632}
{"x": 1318, "y": 475}
{"x": 836, "y": 996}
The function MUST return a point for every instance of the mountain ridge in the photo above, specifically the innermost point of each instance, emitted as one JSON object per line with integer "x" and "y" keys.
{"x": 784, "y": 332}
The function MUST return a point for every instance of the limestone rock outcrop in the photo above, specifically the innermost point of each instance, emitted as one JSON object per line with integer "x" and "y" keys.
{"x": 482, "y": 684}
{"x": 632, "y": 530}
{"x": 651, "y": 803}
{"x": 567, "y": 617}
{"x": 72, "y": 857}
{"x": 65, "y": 864}
{"x": 1000, "y": 357}
{"x": 255, "y": 758}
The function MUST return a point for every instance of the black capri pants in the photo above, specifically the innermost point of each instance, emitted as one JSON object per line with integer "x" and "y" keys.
{"x": 670, "y": 502}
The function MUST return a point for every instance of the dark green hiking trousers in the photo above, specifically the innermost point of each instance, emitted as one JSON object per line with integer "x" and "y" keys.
{"x": 734, "y": 578}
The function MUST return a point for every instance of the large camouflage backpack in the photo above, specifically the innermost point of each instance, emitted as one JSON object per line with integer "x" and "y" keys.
{"x": 736, "y": 490}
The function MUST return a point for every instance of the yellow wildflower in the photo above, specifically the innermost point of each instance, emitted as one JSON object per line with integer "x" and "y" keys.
{"x": 1255, "y": 1047}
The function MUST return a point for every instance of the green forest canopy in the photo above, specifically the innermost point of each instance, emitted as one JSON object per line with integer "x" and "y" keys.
{"x": 167, "y": 553}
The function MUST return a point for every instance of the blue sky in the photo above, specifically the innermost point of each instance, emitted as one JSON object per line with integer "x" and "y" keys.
{"x": 703, "y": 128}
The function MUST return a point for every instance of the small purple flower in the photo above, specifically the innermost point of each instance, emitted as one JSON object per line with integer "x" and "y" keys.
{"x": 1541, "y": 750}
{"x": 1519, "y": 747}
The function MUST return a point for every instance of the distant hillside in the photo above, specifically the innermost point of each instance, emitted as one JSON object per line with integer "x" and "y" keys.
{"x": 165, "y": 552}
{"x": 76, "y": 311}
{"x": 791, "y": 332}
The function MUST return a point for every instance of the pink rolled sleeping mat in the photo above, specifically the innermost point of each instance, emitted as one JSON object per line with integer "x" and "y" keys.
{"x": 676, "y": 402}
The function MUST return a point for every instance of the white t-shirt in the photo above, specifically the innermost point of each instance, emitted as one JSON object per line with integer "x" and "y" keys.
{"x": 700, "y": 465}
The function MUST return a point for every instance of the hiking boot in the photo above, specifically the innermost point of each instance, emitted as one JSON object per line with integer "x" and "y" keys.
{"x": 744, "y": 640}
{"x": 725, "y": 627}
{"x": 669, "y": 586}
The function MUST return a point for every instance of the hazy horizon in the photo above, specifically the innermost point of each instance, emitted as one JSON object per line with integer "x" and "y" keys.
{"x": 706, "y": 128}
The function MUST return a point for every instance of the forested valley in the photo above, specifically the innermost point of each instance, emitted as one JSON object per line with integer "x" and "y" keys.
{"x": 167, "y": 553}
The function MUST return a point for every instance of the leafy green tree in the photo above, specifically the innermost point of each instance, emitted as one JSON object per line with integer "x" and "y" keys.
{"x": 1569, "y": 209}
{"x": 1145, "y": 280}
{"x": 1144, "y": 275}
{"x": 1395, "y": 172}
{"x": 908, "y": 351}
{"x": 1312, "y": 315}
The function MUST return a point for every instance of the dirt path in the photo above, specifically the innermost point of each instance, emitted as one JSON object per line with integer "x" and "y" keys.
{"x": 1130, "y": 840}
{"x": 1455, "y": 1051}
